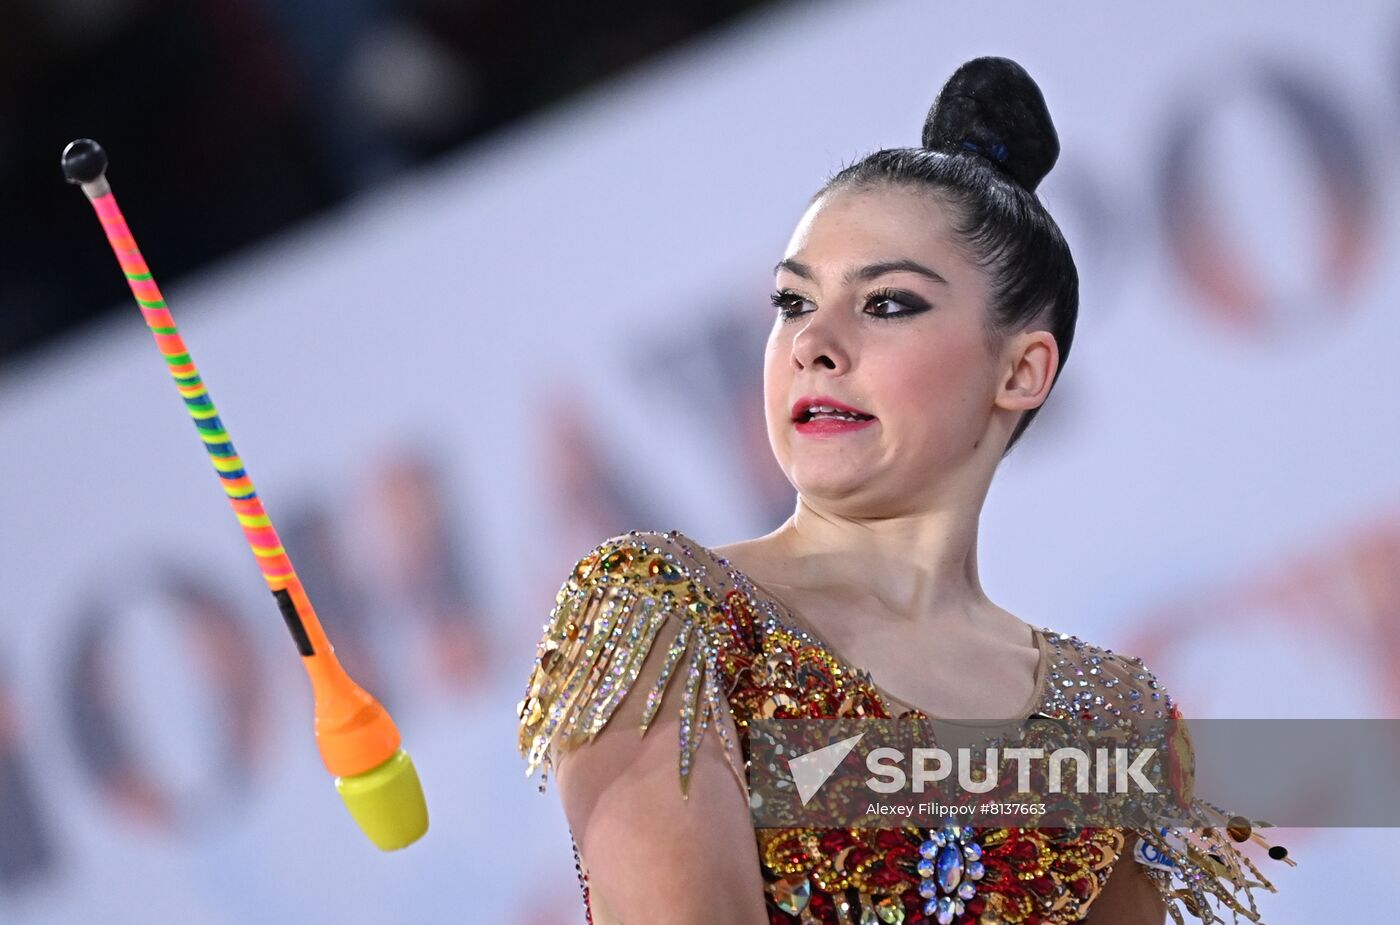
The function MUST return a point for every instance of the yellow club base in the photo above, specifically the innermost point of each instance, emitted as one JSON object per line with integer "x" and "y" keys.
{"x": 387, "y": 802}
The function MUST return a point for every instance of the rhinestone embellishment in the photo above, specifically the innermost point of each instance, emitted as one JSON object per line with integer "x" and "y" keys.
{"x": 950, "y": 863}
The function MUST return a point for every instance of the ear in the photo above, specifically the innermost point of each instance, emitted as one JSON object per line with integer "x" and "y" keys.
{"x": 1030, "y": 359}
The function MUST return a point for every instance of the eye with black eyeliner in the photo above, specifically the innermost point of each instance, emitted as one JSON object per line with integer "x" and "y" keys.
{"x": 783, "y": 300}
{"x": 912, "y": 304}
{"x": 786, "y": 301}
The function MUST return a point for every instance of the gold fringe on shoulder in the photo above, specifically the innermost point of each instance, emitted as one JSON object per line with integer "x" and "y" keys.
{"x": 1195, "y": 863}
{"x": 606, "y": 618}
{"x": 1192, "y": 866}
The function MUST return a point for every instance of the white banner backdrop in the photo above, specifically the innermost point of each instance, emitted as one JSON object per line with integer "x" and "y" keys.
{"x": 451, "y": 389}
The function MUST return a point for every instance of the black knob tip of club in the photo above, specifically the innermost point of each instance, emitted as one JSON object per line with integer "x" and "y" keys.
{"x": 83, "y": 161}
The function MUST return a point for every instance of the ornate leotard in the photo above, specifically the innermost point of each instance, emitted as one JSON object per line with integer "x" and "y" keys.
{"x": 735, "y": 649}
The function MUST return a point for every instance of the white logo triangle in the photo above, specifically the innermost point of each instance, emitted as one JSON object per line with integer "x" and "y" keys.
{"x": 811, "y": 770}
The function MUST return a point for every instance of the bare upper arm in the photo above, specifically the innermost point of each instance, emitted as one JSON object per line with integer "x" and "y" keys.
{"x": 1129, "y": 897}
{"x": 653, "y": 855}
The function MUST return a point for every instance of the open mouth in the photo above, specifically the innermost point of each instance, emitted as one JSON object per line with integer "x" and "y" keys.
{"x": 826, "y": 412}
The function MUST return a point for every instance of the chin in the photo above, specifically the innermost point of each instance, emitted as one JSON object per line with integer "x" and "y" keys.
{"x": 830, "y": 486}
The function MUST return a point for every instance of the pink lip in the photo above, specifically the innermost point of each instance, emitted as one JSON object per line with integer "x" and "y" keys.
{"x": 807, "y": 401}
{"x": 825, "y": 427}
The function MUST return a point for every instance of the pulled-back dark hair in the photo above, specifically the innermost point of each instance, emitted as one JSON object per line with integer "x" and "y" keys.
{"x": 987, "y": 143}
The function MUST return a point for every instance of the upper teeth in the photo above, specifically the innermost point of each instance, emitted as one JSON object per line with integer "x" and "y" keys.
{"x": 818, "y": 409}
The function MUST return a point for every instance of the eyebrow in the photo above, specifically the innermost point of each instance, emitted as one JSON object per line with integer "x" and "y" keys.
{"x": 863, "y": 274}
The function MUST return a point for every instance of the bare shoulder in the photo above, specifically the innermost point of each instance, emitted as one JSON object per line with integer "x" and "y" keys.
{"x": 758, "y": 558}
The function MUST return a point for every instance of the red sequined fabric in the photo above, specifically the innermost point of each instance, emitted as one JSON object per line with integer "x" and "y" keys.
{"x": 736, "y": 645}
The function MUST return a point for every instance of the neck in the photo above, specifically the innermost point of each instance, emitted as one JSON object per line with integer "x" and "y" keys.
{"x": 920, "y": 568}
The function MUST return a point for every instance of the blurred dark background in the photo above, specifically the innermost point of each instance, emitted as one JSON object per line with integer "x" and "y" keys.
{"x": 227, "y": 120}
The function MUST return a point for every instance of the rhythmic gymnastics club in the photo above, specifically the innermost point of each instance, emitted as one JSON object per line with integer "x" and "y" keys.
{"x": 357, "y": 738}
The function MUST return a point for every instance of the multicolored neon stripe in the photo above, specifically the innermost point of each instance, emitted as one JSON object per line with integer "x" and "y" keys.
{"x": 267, "y": 547}
{"x": 355, "y": 735}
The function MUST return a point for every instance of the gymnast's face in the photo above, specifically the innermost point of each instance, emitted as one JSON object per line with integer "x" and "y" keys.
{"x": 881, "y": 311}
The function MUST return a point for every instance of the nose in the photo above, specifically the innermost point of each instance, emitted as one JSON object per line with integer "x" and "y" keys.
{"x": 818, "y": 345}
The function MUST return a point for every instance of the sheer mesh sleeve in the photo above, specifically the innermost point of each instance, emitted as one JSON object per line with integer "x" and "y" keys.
{"x": 1200, "y": 863}
{"x": 1197, "y": 866}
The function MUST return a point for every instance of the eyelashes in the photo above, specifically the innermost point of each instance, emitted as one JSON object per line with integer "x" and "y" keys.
{"x": 788, "y": 304}
{"x": 783, "y": 301}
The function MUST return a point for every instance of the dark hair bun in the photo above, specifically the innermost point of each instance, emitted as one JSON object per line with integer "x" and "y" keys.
{"x": 991, "y": 106}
